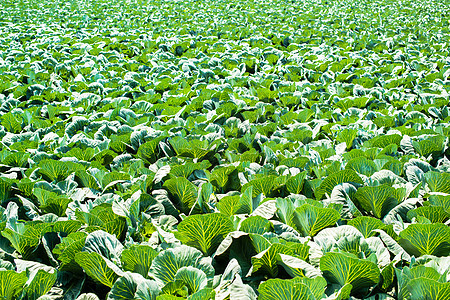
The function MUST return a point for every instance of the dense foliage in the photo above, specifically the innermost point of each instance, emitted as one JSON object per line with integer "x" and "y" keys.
{"x": 224, "y": 149}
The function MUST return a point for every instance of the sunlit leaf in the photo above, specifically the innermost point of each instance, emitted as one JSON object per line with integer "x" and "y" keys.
{"x": 377, "y": 200}
{"x": 366, "y": 224}
{"x": 428, "y": 289}
{"x": 98, "y": 268}
{"x": 345, "y": 269}
{"x": 295, "y": 183}
{"x": 11, "y": 284}
{"x": 184, "y": 193}
{"x": 168, "y": 262}
{"x": 204, "y": 232}
{"x": 438, "y": 182}
{"x": 40, "y": 285}
{"x": 432, "y": 239}
{"x": 309, "y": 219}
{"x": 334, "y": 179}
{"x": 138, "y": 259}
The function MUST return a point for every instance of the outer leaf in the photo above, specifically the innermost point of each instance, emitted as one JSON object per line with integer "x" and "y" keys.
{"x": 125, "y": 287}
{"x": 346, "y": 269}
{"x": 440, "y": 200}
{"x": 294, "y": 184}
{"x": 193, "y": 278}
{"x": 204, "y": 294}
{"x": 310, "y": 219}
{"x": 405, "y": 275}
{"x": 327, "y": 185}
{"x": 343, "y": 237}
{"x": 65, "y": 227}
{"x": 366, "y": 224}
{"x": 186, "y": 169}
{"x": 401, "y": 210}
{"x": 105, "y": 244}
{"x": 168, "y": 262}
{"x": 392, "y": 245}
{"x": 382, "y": 141}
{"x": 147, "y": 290}
{"x": 97, "y": 268}
{"x": 316, "y": 285}
{"x": 56, "y": 170}
{"x": 433, "y": 213}
{"x": 267, "y": 260}
{"x": 426, "y": 147}
{"x": 387, "y": 277}
{"x": 68, "y": 248}
{"x": 259, "y": 242}
{"x": 103, "y": 216}
{"x": 438, "y": 182}
{"x": 40, "y": 285}
{"x": 263, "y": 186}
{"x": 297, "y": 267}
{"x": 11, "y": 123}
{"x": 177, "y": 288}
{"x": 256, "y": 224}
{"x": 285, "y": 210}
{"x": 220, "y": 177}
{"x": 204, "y": 232}
{"x": 11, "y": 284}
{"x": 376, "y": 199}
{"x": 284, "y": 290}
{"x": 5, "y": 189}
{"x": 347, "y": 136}
{"x": 420, "y": 239}
{"x": 230, "y": 205}
{"x": 343, "y": 194}
{"x": 134, "y": 286}
{"x": 183, "y": 192}
{"x": 193, "y": 148}
{"x": 138, "y": 259}
{"x": 342, "y": 294}
{"x": 88, "y": 296}
{"x": 84, "y": 179}
{"x": 362, "y": 165}
{"x": 51, "y": 202}
{"x": 240, "y": 291}
{"x": 428, "y": 289}
{"x": 265, "y": 209}
{"x": 26, "y": 238}
{"x": 149, "y": 150}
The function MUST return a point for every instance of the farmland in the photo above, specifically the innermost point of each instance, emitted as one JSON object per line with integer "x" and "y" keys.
{"x": 224, "y": 149}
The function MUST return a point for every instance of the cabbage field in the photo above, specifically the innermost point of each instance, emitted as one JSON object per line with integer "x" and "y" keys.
{"x": 225, "y": 149}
